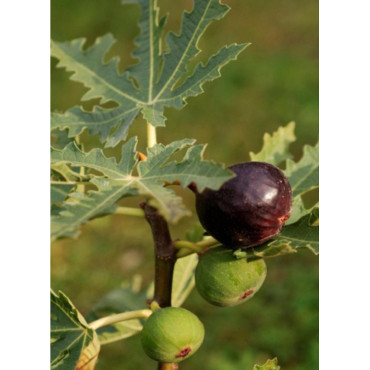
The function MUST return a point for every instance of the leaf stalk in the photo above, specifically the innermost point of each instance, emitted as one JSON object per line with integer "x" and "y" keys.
{"x": 151, "y": 134}
{"x": 185, "y": 247}
{"x": 124, "y": 316}
{"x": 130, "y": 211}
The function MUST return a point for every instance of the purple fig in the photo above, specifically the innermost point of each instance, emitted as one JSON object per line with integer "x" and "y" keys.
{"x": 249, "y": 209}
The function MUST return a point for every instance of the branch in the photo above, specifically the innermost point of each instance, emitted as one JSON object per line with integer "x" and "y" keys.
{"x": 165, "y": 255}
{"x": 165, "y": 258}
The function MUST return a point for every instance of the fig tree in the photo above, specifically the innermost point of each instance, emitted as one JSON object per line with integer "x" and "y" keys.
{"x": 249, "y": 209}
{"x": 172, "y": 334}
{"x": 223, "y": 280}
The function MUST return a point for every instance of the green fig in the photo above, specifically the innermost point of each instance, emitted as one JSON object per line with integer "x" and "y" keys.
{"x": 172, "y": 334}
{"x": 223, "y": 280}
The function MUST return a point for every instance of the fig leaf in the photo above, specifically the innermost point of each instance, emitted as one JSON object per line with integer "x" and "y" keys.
{"x": 268, "y": 365}
{"x": 159, "y": 78}
{"x": 117, "y": 181}
{"x": 73, "y": 344}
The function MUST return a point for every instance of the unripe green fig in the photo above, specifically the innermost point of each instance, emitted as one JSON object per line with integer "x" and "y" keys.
{"x": 223, "y": 280}
{"x": 172, "y": 334}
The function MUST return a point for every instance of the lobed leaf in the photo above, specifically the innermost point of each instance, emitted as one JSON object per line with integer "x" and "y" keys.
{"x": 58, "y": 193}
{"x": 117, "y": 181}
{"x": 302, "y": 234}
{"x": 73, "y": 344}
{"x": 268, "y": 365}
{"x": 301, "y": 229}
{"x": 68, "y": 174}
{"x": 79, "y": 208}
{"x": 303, "y": 177}
{"x": 275, "y": 147}
{"x": 159, "y": 79}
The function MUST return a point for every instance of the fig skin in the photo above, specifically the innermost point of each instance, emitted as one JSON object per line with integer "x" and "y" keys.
{"x": 249, "y": 209}
{"x": 223, "y": 280}
{"x": 172, "y": 334}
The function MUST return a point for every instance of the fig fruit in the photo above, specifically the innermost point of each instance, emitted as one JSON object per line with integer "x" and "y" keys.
{"x": 249, "y": 209}
{"x": 172, "y": 334}
{"x": 223, "y": 280}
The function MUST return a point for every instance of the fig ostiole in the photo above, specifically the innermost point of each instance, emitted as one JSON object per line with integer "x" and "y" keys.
{"x": 172, "y": 334}
{"x": 224, "y": 281}
{"x": 248, "y": 209}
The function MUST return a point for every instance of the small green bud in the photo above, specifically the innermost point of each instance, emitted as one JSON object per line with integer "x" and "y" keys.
{"x": 172, "y": 334}
{"x": 223, "y": 280}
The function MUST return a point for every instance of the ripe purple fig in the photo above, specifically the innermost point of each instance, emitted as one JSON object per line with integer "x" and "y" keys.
{"x": 172, "y": 334}
{"x": 249, "y": 209}
{"x": 224, "y": 281}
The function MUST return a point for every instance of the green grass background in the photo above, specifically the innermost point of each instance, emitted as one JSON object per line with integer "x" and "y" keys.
{"x": 273, "y": 82}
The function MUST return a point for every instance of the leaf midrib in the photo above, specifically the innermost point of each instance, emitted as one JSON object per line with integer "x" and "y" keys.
{"x": 299, "y": 240}
{"x": 304, "y": 178}
{"x": 71, "y": 226}
{"x": 182, "y": 57}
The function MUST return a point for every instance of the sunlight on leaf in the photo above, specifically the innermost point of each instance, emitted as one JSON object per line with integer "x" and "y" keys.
{"x": 148, "y": 86}
{"x": 117, "y": 181}
{"x": 73, "y": 344}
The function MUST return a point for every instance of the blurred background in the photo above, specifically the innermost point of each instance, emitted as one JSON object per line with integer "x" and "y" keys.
{"x": 273, "y": 82}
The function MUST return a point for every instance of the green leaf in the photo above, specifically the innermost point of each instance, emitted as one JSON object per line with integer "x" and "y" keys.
{"x": 58, "y": 193}
{"x": 183, "y": 279}
{"x": 62, "y": 171}
{"x": 299, "y": 210}
{"x": 303, "y": 177}
{"x": 60, "y": 139}
{"x": 302, "y": 234}
{"x": 268, "y": 365}
{"x": 119, "y": 331}
{"x": 275, "y": 147}
{"x": 159, "y": 79}
{"x": 79, "y": 208}
{"x": 73, "y": 343}
{"x": 117, "y": 301}
{"x": 120, "y": 300}
{"x": 117, "y": 181}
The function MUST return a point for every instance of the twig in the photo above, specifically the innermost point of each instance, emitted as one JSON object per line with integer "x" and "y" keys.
{"x": 165, "y": 258}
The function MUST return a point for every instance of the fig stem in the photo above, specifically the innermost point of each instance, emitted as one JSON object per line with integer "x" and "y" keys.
{"x": 124, "y": 316}
{"x": 129, "y": 211}
{"x": 168, "y": 366}
{"x": 185, "y": 247}
{"x": 151, "y": 134}
{"x": 165, "y": 255}
{"x": 165, "y": 258}
{"x": 80, "y": 187}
